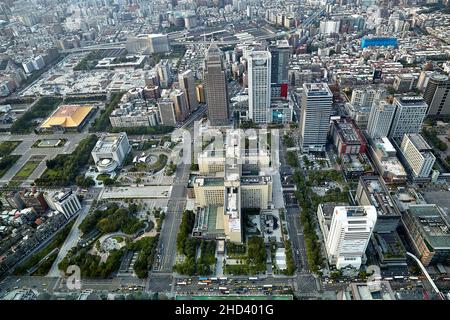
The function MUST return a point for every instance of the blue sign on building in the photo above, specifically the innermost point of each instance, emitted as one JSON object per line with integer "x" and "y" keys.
{"x": 379, "y": 42}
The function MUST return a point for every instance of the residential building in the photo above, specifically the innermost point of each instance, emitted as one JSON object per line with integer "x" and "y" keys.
{"x": 315, "y": 113}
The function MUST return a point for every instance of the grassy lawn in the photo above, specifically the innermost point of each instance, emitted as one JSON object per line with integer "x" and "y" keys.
{"x": 103, "y": 176}
{"x": 6, "y": 147}
{"x": 6, "y": 163}
{"x": 26, "y": 170}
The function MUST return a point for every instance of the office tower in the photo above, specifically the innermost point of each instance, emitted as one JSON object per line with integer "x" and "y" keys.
{"x": 280, "y": 61}
{"x": 349, "y": 234}
{"x": 216, "y": 87}
{"x": 187, "y": 84}
{"x": 164, "y": 73}
{"x": 418, "y": 155}
{"x": 259, "y": 70}
{"x": 315, "y": 115}
{"x": 380, "y": 119}
{"x": 166, "y": 110}
{"x": 437, "y": 95}
{"x": 409, "y": 115}
{"x": 181, "y": 108}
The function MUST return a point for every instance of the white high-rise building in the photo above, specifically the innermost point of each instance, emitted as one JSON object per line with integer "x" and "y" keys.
{"x": 259, "y": 77}
{"x": 380, "y": 119}
{"x": 418, "y": 155}
{"x": 315, "y": 116}
{"x": 409, "y": 115}
{"x": 349, "y": 235}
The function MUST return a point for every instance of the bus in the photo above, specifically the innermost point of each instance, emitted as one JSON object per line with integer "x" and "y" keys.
{"x": 201, "y": 283}
{"x": 253, "y": 278}
{"x": 213, "y": 279}
{"x": 399, "y": 277}
{"x": 413, "y": 278}
{"x": 181, "y": 283}
{"x": 223, "y": 278}
{"x": 203, "y": 278}
{"x": 389, "y": 278}
{"x": 222, "y": 288}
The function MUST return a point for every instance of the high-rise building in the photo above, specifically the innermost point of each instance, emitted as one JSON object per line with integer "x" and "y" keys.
{"x": 418, "y": 155}
{"x": 180, "y": 105}
{"x": 216, "y": 87}
{"x": 409, "y": 114}
{"x": 280, "y": 61}
{"x": 259, "y": 77}
{"x": 380, "y": 119}
{"x": 166, "y": 109}
{"x": 164, "y": 73}
{"x": 349, "y": 234}
{"x": 437, "y": 95}
{"x": 315, "y": 116}
{"x": 187, "y": 84}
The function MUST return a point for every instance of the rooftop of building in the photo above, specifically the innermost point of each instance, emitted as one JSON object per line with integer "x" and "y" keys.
{"x": 348, "y": 131}
{"x": 419, "y": 142}
{"x": 109, "y": 142}
{"x": 209, "y": 181}
{"x": 410, "y": 101}
{"x": 317, "y": 89}
{"x": 68, "y": 116}
{"x": 365, "y": 291}
{"x": 378, "y": 195}
{"x": 433, "y": 223}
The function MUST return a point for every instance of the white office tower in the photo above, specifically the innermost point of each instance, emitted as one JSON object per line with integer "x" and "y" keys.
{"x": 409, "y": 115}
{"x": 418, "y": 154}
{"x": 350, "y": 231}
{"x": 64, "y": 201}
{"x": 259, "y": 74}
{"x": 380, "y": 119}
{"x": 187, "y": 84}
{"x": 315, "y": 116}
